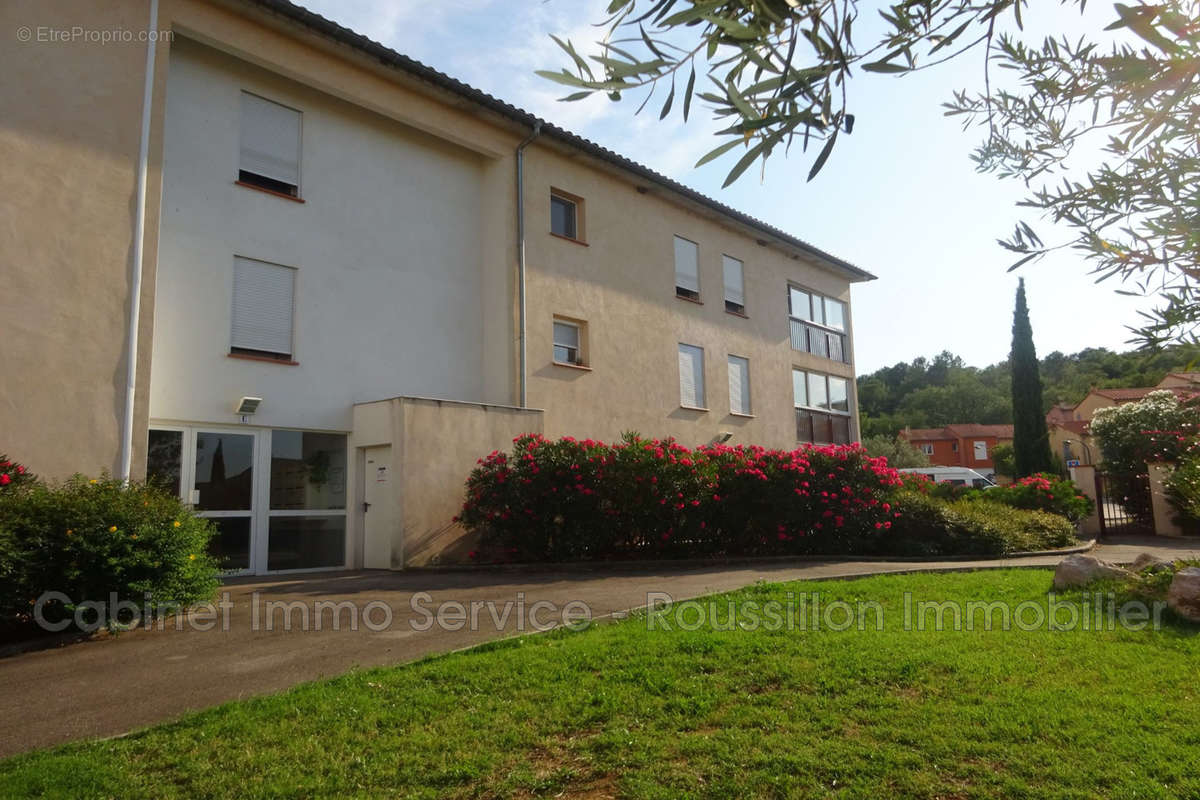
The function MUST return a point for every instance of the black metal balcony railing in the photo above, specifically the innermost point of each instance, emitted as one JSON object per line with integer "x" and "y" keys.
{"x": 809, "y": 338}
{"x": 821, "y": 427}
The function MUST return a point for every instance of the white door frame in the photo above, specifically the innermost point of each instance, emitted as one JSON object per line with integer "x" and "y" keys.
{"x": 260, "y": 497}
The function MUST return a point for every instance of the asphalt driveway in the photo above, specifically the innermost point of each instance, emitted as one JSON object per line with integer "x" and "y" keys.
{"x": 111, "y": 685}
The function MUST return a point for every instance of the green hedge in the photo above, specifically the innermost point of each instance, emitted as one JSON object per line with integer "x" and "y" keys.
{"x": 929, "y": 526}
{"x": 96, "y": 540}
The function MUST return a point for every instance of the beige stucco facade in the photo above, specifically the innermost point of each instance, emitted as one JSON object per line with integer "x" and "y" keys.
{"x": 621, "y": 283}
{"x": 69, "y": 139}
{"x": 433, "y": 445}
{"x": 71, "y": 135}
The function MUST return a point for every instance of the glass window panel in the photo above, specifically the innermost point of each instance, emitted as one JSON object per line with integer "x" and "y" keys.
{"x": 835, "y": 314}
{"x": 224, "y": 471}
{"x": 799, "y": 388}
{"x": 308, "y": 470}
{"x": 839, "y": 394}
{"x": 818, "y": 396}
{"x": 164, "y": 459}
{"x": 562, "y": 217}
{"x": 799, "y": 303}
{"x": 566, "y": 343}
{"x": 231, "y": 545}
{"x": 306, "y": 542}
{"x": 818, "y": 309}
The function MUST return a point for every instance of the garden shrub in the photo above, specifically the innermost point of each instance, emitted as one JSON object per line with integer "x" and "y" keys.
{"x": 1157, "y": 428}
{"x": 12, "y": 474}
{"x": 91, "y": 539}
{"x": 928, "y": 527}
{"x": 569, "y": 500}
{"x": 1183, "y": 491}
{"x": 1043, "y": 492}
{"x": 1012, "y": 529}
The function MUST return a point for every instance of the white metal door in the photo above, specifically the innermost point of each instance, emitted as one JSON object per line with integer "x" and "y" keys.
{"x": 378, "y": 507}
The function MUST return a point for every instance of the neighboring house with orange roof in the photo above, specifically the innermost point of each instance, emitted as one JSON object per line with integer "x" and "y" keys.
{"x": 1180, "y": 379}
{"x": 961, "y": 445}
{"x": 1106, "y": 398}
{"x": 1068, "y": 432}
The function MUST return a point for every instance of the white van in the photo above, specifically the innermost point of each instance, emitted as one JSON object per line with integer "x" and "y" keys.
{"x": 956, "y": 476}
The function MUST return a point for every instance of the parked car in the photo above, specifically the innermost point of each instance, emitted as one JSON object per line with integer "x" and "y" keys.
{"x": 956, "y": 476}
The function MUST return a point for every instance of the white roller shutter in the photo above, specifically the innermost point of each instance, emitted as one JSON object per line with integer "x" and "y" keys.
{"x": 691, "y": 376}
{"x": 270, "y": 140}
{"x": 734, "y": 290}
{"x": 687, "y": 265}
{"x": 739, "y": 385}
{"x": 263, "y": 297}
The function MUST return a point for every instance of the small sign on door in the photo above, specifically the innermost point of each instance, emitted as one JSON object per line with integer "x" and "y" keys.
{"x": 381, "y": 474}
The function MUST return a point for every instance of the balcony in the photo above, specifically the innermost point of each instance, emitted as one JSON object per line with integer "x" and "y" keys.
{"x": 822, "y": 428}
{"x": 820, "y": 341}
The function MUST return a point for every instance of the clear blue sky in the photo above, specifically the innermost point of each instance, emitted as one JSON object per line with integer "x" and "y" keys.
{"x": 899, "y": 197}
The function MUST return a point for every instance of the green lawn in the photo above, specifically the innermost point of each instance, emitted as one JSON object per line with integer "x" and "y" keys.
{"x": 621, "y": 711}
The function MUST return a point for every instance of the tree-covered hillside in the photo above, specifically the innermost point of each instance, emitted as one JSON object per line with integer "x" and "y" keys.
{"x": 943, "y": 390}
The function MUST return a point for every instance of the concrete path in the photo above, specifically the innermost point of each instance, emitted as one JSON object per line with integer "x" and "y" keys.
{"x": 111, "y": 685}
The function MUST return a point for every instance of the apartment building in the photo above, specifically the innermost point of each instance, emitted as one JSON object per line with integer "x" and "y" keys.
{"x": 307, "y": 281}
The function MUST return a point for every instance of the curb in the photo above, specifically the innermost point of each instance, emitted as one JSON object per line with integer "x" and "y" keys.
{"x": 696, "y": 563}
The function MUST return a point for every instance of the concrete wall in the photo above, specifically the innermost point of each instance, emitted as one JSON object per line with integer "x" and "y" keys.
{"x": 435, "y": 445}
{"x": 622, "y": 284}
{"x": 1085, "y": 478}
{"x": 389, "y": 292}
{"x": 1165, "y": 523}
{"x": 69, "y": 138}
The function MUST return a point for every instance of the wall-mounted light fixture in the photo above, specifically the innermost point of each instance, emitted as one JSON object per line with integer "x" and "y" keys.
{"x": 721, "y": 438}
{"x": 246, "y": 407}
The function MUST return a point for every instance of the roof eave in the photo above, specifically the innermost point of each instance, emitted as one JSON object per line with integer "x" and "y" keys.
{"x": 391, "y": 58}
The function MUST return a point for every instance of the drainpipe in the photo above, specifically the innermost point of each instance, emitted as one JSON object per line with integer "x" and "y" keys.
{"x": 537, "y": 129}
{"x": 139, "y": 233}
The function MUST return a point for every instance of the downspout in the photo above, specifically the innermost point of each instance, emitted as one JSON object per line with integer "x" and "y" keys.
{"x": 537, "y": 129}
{"x": 139, "y": 234}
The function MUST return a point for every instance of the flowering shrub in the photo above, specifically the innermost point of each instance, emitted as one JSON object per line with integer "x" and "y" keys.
{"x": 13, "y": 474}
{"x": 91, "y": 539}
{"x": 1043, "y": 492}
{"x": 578, "y": 500}
{"x": 1157, "y": 428}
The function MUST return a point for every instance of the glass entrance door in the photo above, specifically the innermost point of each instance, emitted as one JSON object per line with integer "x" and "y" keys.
{"x": 277, "y": 498}
{"x": 223, "y": 491}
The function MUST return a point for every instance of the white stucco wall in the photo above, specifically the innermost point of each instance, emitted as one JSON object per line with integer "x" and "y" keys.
{"x": 387, "y": 245}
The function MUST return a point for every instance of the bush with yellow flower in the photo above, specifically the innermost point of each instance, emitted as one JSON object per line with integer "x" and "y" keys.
{"x": 91, "y": 538}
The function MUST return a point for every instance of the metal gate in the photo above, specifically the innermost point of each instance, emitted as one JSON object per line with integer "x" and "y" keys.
{"x": 1123, "y": 513}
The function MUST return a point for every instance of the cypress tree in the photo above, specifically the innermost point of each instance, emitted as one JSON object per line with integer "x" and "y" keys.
{"x": 1031, "y": 440}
